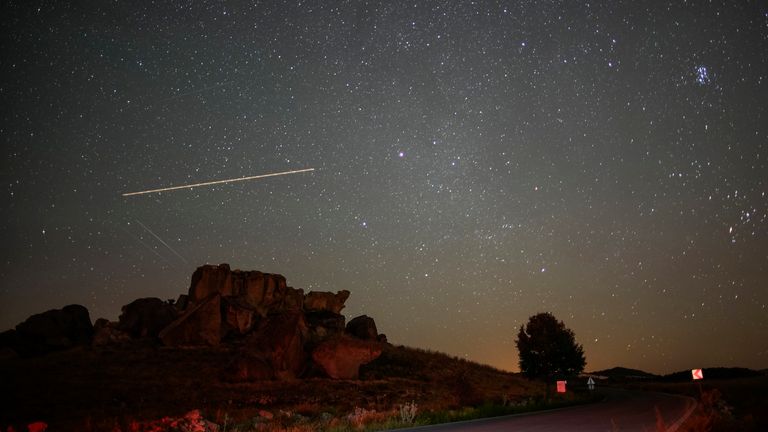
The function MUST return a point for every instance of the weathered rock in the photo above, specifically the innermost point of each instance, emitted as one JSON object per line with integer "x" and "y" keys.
{"x": 108, "y": 333}
{"x": 325, "y": 301}
{"x": 363, "y": 327}
{"x": 264, "y": 292}
{"x": 146, "y": 317}
{"x": 199, "y": 325}
{"x": 341, "y": 357}
{"x": 324, "y": 324}
{"x": 52, "y": 330}
{"x": 239, "y": 317}
{"x": 208, "y": 280}
{"x": 280, "y": 342}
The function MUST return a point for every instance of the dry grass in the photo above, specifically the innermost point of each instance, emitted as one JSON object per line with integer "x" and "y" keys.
{"x": 117, "y": 389}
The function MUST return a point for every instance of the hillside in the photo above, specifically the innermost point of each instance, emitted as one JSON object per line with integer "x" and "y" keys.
{"x": 95, "y": 388}
{"x": 242, "y": 347}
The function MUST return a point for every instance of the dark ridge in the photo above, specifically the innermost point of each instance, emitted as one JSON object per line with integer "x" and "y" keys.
{"x": 713, "y": 373}
{"x": 625, "y": 373}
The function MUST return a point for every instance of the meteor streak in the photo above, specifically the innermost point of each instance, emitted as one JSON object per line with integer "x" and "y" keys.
{"x": 190, "y": 186}
{"x": 163, "y": 242}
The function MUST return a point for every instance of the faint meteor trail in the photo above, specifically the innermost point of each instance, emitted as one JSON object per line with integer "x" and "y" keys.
{"x": 163, "y": 242}
{"x": 190, "y": 186}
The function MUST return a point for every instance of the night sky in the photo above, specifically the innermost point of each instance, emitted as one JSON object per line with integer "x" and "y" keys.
{"x": 475, "y": 163}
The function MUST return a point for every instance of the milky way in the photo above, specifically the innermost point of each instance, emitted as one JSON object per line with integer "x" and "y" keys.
{"x": 475, "y": 163}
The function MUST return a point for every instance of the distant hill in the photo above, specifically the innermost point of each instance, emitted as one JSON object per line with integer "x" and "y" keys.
{"x": 624, "y": 373}
{"x": 713, "y": 373}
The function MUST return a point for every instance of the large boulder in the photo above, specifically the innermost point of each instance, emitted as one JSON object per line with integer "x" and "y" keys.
{"x": 341, "y": 357}
{"x": 279, "y": 343}
{"x": 146, "y": 317}
{"x": 325, "y": 301}
{"x": 52, "y": 330}
{"x": 363, "y": 327}
{"x": 199, "y": 325}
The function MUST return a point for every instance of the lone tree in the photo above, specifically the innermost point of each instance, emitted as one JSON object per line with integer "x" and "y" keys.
{"x": 548, "y": 349}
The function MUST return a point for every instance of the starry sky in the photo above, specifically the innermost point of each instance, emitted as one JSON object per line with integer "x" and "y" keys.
{"x": 476, "y": 162}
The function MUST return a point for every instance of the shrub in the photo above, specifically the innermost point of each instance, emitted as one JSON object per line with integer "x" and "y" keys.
{"x": 408, "y": 412}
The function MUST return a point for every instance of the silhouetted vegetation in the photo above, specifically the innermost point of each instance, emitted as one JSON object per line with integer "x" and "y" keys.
{"x": 548, "y": 349}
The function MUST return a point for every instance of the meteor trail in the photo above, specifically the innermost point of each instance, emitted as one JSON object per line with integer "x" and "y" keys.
{"x": 190, "y": 186}
{"x": 163, "y": 242}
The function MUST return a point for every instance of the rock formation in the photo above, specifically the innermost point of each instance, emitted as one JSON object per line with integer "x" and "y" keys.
{"x": 282, "y": 328}
{"x": 325, "y": 301}
{"x": 274, "y": 331}
{"x": 50, "y": 331}
{"x": 264, "y": 292}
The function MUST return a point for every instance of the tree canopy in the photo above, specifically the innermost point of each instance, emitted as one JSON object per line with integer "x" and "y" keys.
{"x": 548, "y": 348}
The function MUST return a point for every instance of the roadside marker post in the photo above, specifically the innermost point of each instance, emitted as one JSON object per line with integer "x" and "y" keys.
{"x": 591, "y": 383}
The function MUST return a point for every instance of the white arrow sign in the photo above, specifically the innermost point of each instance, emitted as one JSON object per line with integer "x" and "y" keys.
{"x": 591, "y": 383}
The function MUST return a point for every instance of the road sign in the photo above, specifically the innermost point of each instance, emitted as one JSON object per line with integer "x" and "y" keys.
{"x": 591, "y": 383}
{"x": 561, "y": 386}
{"x": 697, "y": 374}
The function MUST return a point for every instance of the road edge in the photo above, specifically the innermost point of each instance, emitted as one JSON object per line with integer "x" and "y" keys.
{"x": 692, "y": 407}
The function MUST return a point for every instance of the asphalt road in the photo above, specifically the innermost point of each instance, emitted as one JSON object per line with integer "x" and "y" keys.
{"x": 621, "y": 411}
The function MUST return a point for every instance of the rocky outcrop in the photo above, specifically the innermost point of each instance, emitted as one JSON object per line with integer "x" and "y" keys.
{"x": 199, "y": 325}
{"x": 50, "y": 331}
{"x": 363, "y": 327}
{"x": 341, "y": 357}
{"x": 249, "y": 297}
{"x": 146, "y": 317}
{"x": 325, "y": 301}
{"x": 275, "y": 330}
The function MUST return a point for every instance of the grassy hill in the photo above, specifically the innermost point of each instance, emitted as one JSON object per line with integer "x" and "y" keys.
{"x": 94, "y": 389}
